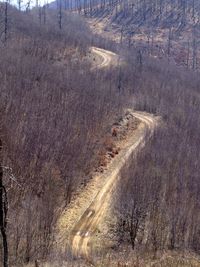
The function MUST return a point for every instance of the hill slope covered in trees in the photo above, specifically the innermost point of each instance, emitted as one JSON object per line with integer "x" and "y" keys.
{"x": 56, "y": 112}
{"x": 159, "y": 28}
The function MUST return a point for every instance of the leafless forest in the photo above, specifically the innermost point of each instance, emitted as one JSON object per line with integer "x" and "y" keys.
{"x": 55, "y": 113}
{"x": 159, "y": 28}
{"x": 159, "y": 203}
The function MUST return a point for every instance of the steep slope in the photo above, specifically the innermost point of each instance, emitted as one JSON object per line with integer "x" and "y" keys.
{"x": 164, "y": 29}
{"x": 48, "y": 93}
{"x": 83, "y": 231}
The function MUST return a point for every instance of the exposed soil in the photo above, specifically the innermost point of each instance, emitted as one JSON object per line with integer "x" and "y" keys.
{"x": 155, "y": 44}
{"x": 84, "y": 215}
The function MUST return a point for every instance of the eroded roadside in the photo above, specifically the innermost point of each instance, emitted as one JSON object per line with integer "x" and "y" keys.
{"x": 78, "y": 223}
{"x": 113, "y": 144}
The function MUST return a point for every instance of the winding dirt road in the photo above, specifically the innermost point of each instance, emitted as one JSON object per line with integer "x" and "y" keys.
{"x": 107, "y": 57}
{"x": 83, "y": 231}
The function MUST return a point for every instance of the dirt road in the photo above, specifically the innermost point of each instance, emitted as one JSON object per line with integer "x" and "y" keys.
{"x": 86, "y": 226}
{"x": 106, "y": 57}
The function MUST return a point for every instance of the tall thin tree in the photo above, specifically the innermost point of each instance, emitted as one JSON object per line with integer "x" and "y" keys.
{"x": 6, "y": 22}
{"x": 59, "y": 6}
{"x": 3, "y": 214}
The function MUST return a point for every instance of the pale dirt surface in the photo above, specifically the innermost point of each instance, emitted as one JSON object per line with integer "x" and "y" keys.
{"x": 84, "y": 230}
{"x": 82, "y": 225}
{"x": 154, "y": 43}
{"x": 86, "y": 219}
{"x": 78, "y": 224}
{"x": 101, "y": 58}
{"x": 84, "y": 198}
{"x": 98, "y": 57}
{"x": 108, "y": 58}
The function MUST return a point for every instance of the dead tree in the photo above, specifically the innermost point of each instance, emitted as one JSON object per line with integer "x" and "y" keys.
{"x": 169, "y": 42}
{"x": 40, "y": 14}
{"x": 193, "y": 8}
{"x": 28, "y": 4}
{"x": 59, "y": 6}
{"x": 19, "y": 2}
{"x": 134, "y": 225}
{"x": 194, "y": 49}
{"x": 3, "y": 215}
{"x": 139, "y": 58}
{"x": 6, "y": 21}
{"x": 44, "y": 14}
{"x": 188, "y": 54}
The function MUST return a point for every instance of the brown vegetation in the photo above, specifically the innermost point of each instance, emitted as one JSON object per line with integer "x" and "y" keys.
{"x": 158, "y": 28}
{"x": 158, "y": 206}
{"x": 55, "y": 114}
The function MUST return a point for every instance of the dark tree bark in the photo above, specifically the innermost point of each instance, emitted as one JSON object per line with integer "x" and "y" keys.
{"x": 134, "y": 226}
{"x": 60, "y": 14}
{"x": 19, "y": 4}
{"x": 169, "y": 42}
{"x": 6, "y": 22}
{"x": 3, "y": 215}
{"x": 194, "y": 48}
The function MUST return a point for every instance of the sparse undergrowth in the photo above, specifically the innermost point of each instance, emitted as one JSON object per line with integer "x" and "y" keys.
{"x": 107, "y": 161}
{"x": 55, "y": 114}
{"x": 165, "y": 259}
{"x": 160, "y": 29}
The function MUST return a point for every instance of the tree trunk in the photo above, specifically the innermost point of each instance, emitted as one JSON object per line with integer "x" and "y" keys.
{"x": 6, "y": 21}
{"x": 3, "y": 214}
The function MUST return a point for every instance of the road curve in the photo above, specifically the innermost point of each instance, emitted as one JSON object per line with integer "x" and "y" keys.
{"x": 107, "y": 57}
{"x": 83, "y": 231}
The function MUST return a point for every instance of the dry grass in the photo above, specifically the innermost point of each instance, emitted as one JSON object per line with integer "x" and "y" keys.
{"x": 168, "y": 259}
{"x": 86, "y": 194}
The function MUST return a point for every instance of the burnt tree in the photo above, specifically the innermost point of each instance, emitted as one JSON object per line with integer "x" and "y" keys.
{"x": 3, "y": 215}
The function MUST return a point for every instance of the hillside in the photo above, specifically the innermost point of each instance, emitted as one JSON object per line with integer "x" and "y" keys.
{"x": 50, "y": 140}
{"x": 157, "y": 28}
{"x": 100, "y": 135}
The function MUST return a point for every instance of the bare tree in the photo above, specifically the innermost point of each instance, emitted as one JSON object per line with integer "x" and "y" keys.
{"x": 3, "y": 214}
{"x": 19, "y": 2}
{"x": 6, "y": 21}
{"x": 194, "y": 48}
{"x": 28, "y": 5}
{"x": 59, "y": 6}
{"x": 169, "y": 42}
